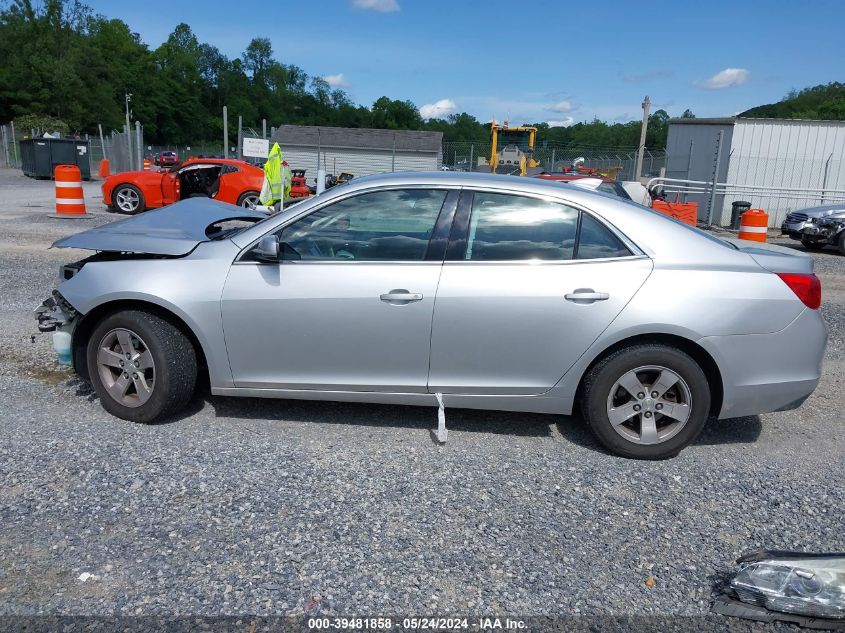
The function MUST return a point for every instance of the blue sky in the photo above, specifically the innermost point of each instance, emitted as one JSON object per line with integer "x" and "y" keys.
{"x": 530, "y": 61}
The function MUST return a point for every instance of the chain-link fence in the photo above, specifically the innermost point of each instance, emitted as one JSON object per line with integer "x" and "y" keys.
{"x": 463, "y": 156}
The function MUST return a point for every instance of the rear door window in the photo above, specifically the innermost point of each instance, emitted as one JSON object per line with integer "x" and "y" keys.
{"x": 506, "y": 227}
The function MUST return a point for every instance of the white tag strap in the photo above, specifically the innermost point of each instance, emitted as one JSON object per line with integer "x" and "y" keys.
{"x": 442, "y": 433}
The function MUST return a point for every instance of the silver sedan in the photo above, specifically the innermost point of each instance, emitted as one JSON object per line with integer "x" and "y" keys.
{"x": 480, "y": 291}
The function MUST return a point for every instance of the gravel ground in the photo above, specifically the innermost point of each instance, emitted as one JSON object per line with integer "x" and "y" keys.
{"x": 288, "y": 508}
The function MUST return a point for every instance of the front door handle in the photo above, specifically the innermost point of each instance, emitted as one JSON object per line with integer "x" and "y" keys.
{"x": 586, "y": 295}
{"x": 401, "y": 296}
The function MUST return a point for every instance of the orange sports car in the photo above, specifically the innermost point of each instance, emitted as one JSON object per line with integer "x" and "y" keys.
{"x": 227, "y": 180}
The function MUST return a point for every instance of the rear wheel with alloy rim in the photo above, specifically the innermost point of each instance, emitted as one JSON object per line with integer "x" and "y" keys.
{"x": 142, "y": 367}
{"x": 646, "y": 401}
{"x": 248, "y": 199}
{"x": 128, "y": 199}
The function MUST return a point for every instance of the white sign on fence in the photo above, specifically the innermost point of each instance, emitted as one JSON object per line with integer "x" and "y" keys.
{"x": 256, "y": 147}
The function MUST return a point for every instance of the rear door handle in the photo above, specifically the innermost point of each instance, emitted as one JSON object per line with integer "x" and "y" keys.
{"x": 401, "y": 296}
{"x": 586, "y": 295}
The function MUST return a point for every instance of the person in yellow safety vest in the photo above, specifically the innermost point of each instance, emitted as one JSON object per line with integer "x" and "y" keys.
{"x": 277, "y": 178}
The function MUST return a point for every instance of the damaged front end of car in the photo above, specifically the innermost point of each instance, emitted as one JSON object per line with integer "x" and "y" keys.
{"x": 172, "y": 232}
{"x": 824, "y": 231}
{"x": 56, "y": 315}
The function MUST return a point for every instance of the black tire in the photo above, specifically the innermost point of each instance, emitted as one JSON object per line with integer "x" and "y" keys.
{"x": 175, "y": 365}
{"x": 245, "y": 195}
{"x": 602, "y": 377}
{"x": 142, "y": 203}
{"x": 812, "y": 245}
{"x": 841, "y": 242}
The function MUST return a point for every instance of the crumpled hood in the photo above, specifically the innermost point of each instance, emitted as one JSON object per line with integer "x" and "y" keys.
{"x": 824, "y": 211}
{"x": 173, "y": 230}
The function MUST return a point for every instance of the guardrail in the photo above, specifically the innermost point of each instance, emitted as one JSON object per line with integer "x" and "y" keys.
{"x": 711, "y": 189}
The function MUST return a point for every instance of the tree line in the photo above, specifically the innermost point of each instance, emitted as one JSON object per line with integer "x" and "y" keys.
{"x": 65, "y": 66}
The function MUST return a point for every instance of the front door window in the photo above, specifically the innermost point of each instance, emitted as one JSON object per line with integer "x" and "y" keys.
{"x": 381, "y": 226}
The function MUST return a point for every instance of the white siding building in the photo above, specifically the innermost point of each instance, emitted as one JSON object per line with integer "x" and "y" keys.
{"x": 762, "y": 152}
{"x": 359, "y": 151}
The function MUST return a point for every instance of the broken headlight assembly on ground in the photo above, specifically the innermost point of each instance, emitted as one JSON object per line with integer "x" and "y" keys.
{"x": 803, "y": 588}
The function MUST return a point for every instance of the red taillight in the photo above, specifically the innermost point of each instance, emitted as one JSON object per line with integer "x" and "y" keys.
{"x": 806, "y": 287}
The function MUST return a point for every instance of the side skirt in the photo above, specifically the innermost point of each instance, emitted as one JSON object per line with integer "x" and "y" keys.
{"x": 526, "y": 404}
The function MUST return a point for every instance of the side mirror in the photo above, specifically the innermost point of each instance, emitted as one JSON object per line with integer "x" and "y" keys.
{"x": 267, "y": 249}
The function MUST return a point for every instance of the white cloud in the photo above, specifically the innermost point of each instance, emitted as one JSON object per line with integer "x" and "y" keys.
{"x": 383, "y": 6}
{"x": 725, "y": 79}
{"x": 561, "y": 122}
{"x": 438, "y": 109}
{"x": 336, "y": 81}
{"x": 561, "y": 106}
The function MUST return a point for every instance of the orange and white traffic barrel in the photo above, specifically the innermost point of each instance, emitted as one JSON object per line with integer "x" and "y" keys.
{"x": 147, "y": 164}
{"x": 753, "y": 225}
{"x": 70, "y": 203}
{"x": 105, "y": 168}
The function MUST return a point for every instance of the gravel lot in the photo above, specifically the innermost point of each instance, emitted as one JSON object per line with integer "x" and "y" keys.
{"x": 285, "y": 508}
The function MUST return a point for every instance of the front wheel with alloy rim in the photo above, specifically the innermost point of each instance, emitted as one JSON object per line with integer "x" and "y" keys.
{"x": 142, "y": 367}
{"x": 248, "y": 200}
{"x": 646, "y": 401}
{"x": 128, "y": 199}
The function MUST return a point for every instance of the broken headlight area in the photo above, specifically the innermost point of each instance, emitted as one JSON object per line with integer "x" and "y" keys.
{"x": 54, "y": 312}
{"x": 795, "y": 583}
{"x": 830, "y": 227}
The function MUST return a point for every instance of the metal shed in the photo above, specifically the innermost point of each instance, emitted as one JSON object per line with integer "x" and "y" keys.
{"x": 794, "y": 154}
{"x": 359, "y": 151}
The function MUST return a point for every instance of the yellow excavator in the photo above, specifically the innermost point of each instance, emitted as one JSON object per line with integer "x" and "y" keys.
{"x": 511, "y": 151}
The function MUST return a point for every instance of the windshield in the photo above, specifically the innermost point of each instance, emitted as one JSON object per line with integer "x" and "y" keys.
{"x": 520, "y": 139}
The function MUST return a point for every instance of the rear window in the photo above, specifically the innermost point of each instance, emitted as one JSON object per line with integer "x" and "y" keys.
{"x": 615, "y": 189}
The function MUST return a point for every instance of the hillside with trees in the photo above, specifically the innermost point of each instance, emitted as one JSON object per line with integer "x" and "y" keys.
{"x": 824, "y": 102}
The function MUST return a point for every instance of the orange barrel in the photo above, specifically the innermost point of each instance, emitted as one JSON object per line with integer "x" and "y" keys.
{"x": 70, "y": 202}
{"x": 753, "y": 225}
{"x": 147, "y": 164}
{"x": 104, "y": 168}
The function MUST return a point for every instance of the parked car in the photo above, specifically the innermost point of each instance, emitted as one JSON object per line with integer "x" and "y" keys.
{"x": 817, "y": 227}
{"x": 226, "y": 180}
{"x": 608, "y": 185}
{"x": 166, "y": 159}
{"x": 495, "y": 292}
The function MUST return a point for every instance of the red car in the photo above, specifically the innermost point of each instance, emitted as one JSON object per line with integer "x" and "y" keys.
{"x": 607, "y": 186}
{"x": 167, "y": 159}
{"x": 223, "y": 179}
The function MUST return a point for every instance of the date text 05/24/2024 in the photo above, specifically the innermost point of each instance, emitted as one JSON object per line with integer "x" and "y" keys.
{"x": 421, "y": 624}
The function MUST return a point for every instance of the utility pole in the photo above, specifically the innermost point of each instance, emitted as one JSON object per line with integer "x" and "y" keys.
{"x": 128, "y": 130}
{"x": 639, "y": 167}
{"x": 225, "y": 132}
{"x": 15, "y": 151}
{"x": 139, "y": 145}
{"x": 102, "y": 140}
